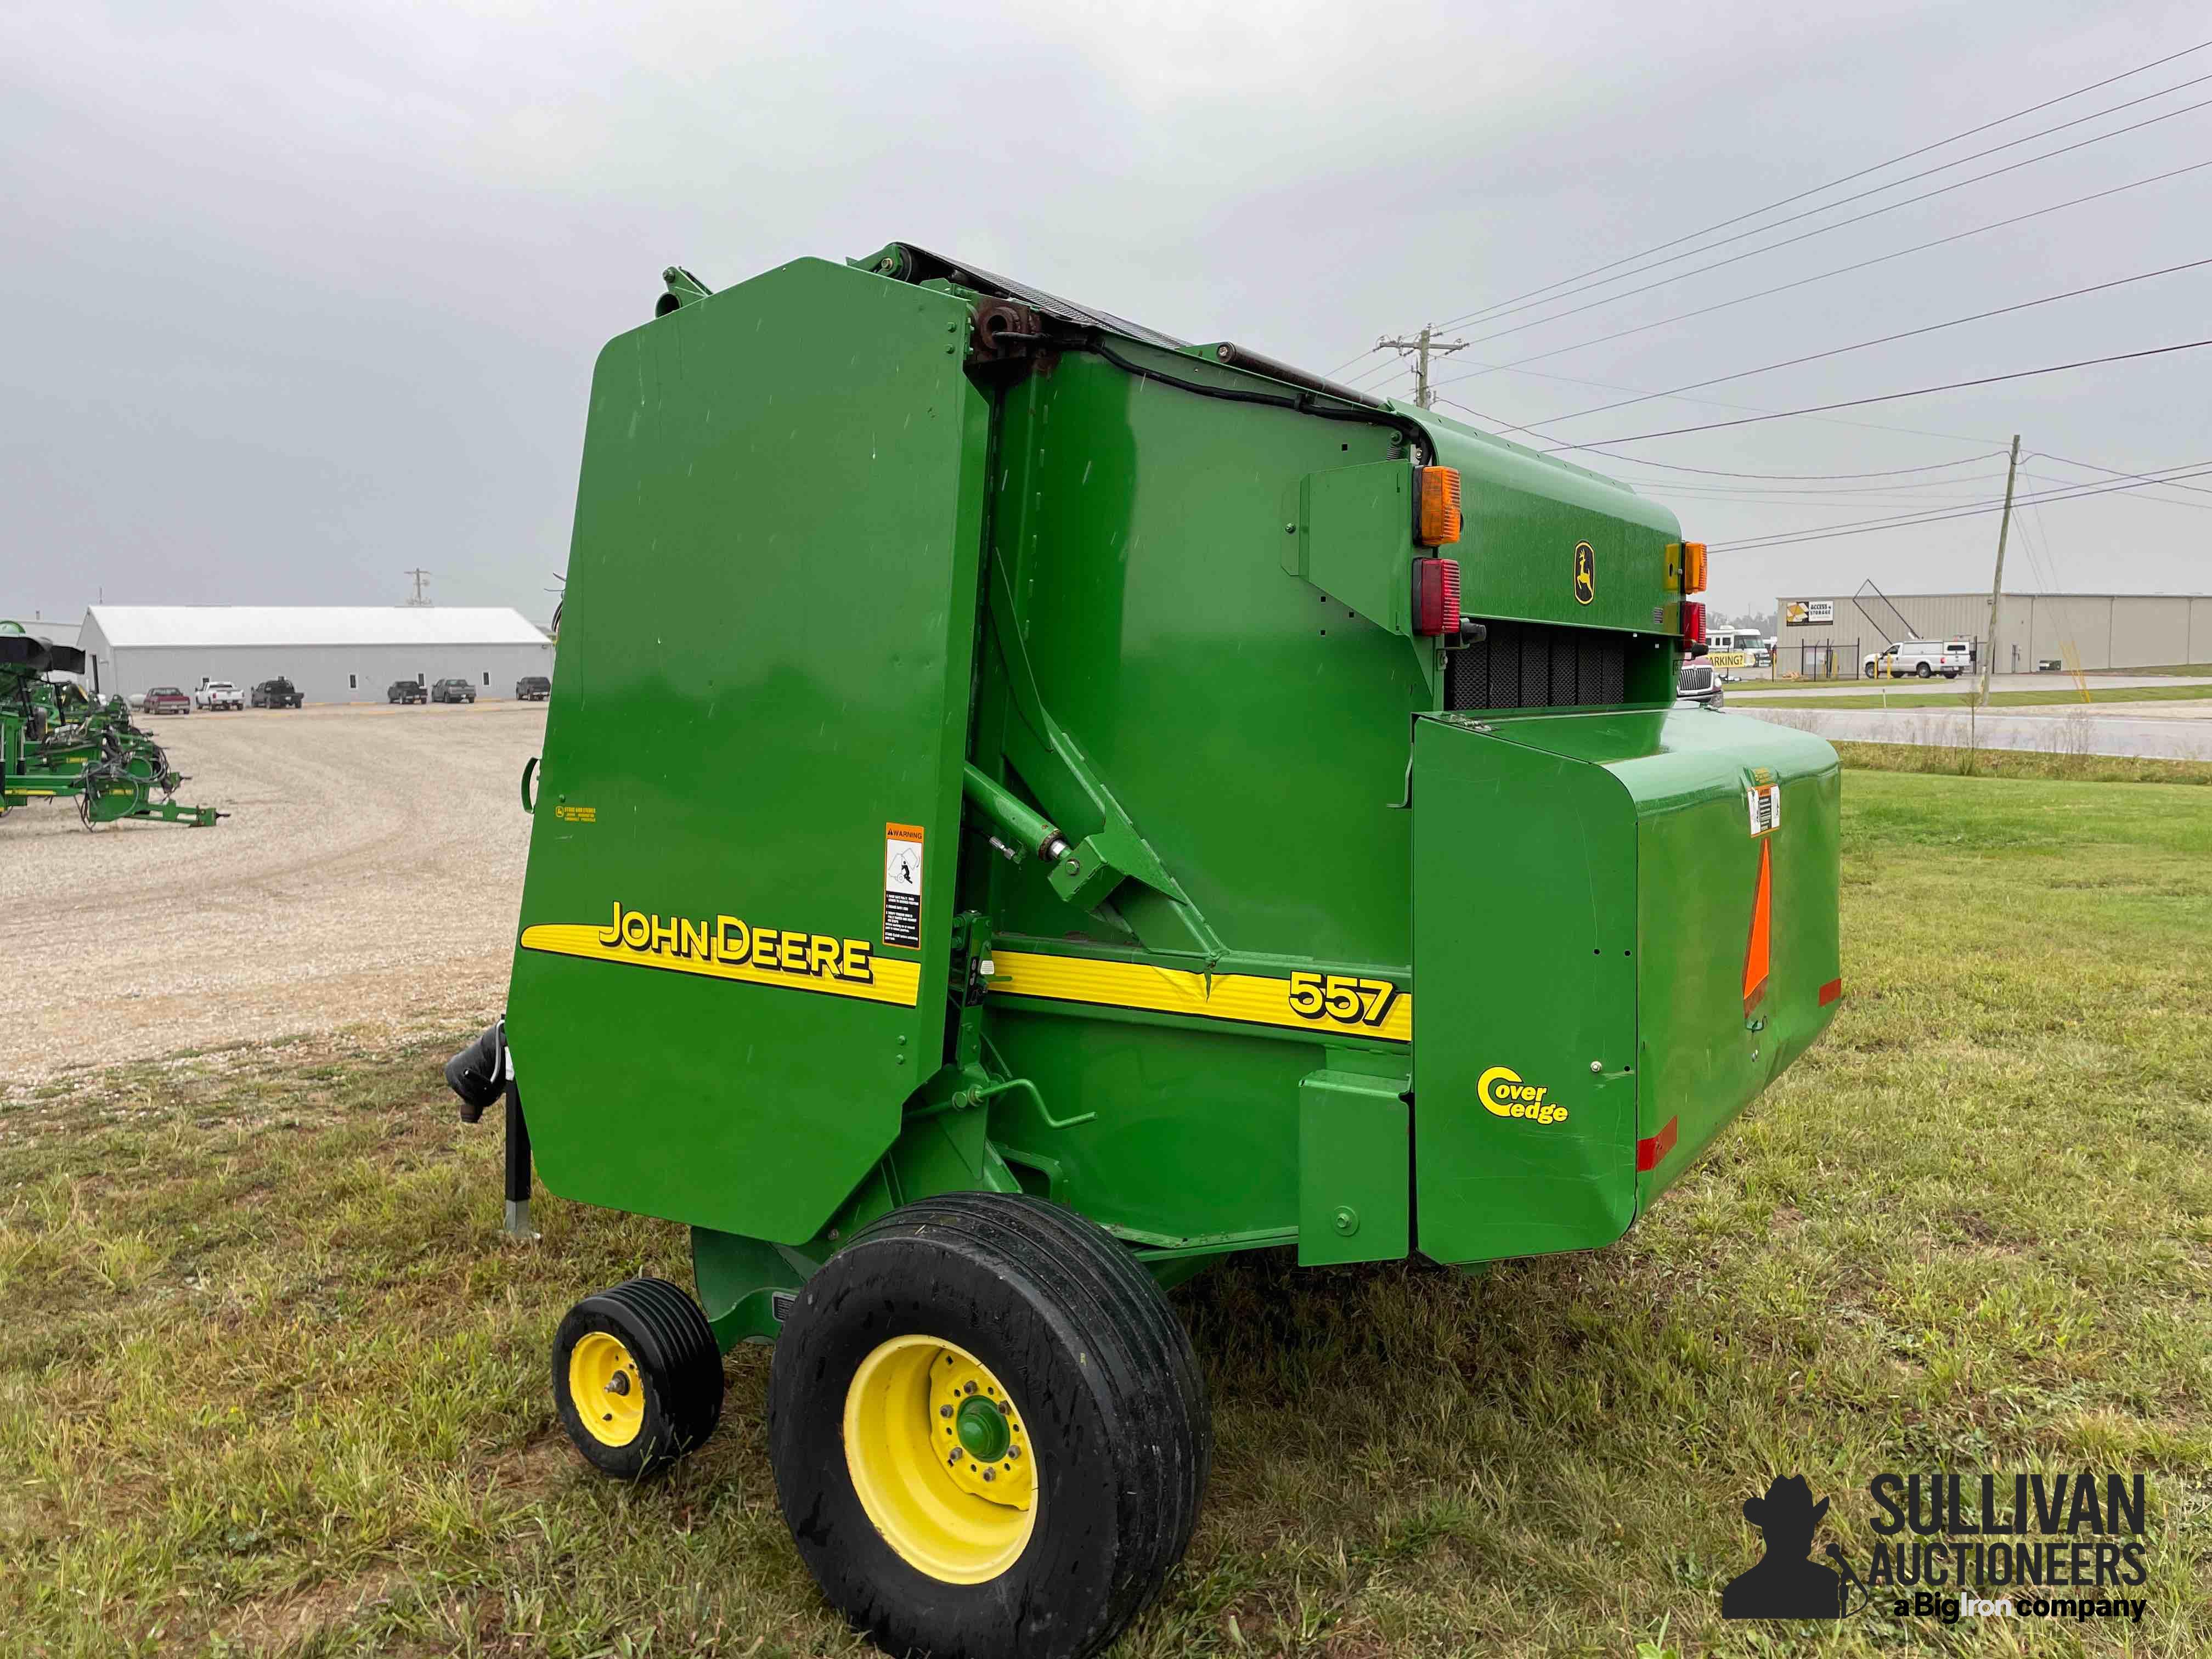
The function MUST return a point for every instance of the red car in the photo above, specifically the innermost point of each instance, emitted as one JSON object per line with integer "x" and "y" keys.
{"x": 168, "y": 700}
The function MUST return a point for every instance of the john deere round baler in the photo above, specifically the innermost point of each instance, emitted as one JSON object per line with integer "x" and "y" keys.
{"x": 1030, "y": 807}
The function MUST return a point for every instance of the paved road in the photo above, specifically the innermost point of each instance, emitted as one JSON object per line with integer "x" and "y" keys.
{"x": 2059, "y": 687}
{"x": 2078, "y": 732}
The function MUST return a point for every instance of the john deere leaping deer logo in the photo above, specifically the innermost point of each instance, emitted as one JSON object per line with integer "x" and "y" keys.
{"x": 1585, "y": 572}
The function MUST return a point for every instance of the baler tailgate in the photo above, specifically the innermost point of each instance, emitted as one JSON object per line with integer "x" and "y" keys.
{"x": 737, "y": 922}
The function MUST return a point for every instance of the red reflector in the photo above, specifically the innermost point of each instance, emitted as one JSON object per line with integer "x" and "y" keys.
{"x": 1830, "y": 991}
{"x": 1652, "y": 1148}
{"x": 1435, "y": 596}
{"x": 1693, "y": 622}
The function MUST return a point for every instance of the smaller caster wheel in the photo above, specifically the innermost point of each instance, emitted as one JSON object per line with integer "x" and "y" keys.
{"x": 638, "y": 1378}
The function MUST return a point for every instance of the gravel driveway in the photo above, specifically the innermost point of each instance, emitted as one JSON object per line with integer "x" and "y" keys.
{"x": 369, "y": 880}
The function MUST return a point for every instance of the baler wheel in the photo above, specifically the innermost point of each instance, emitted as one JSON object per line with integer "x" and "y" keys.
{"x": 989, "y": 1433}
{"x": 637, "y": 1377}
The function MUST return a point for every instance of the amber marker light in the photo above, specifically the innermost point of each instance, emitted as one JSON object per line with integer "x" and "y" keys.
{"x": 1437, "y": 516}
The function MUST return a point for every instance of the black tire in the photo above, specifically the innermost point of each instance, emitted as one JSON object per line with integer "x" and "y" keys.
{"x": 1094, "y": 1365}
{"x": 1871, "y": 670}
{"x": 673, "y": 1369}
{"x": 1924, "y": 671}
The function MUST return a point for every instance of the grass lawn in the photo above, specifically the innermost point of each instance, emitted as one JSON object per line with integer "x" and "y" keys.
{"x": 1958, "y": 761}
{"x": 1920, "y": 697}
{"x": 273, "y": 1381}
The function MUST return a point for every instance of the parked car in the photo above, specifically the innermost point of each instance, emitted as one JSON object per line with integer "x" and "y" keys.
{"x": 218, "y": 693}
{"x": 1700, "y": 687}
{"x": 167, "y": 699}
{"x": 1923, "y": 658}
{"x": 279, "y": 693}
{"x": 533, "y": 688}
{"x": 406, "y": 691}
{"x": 453, "y": 691}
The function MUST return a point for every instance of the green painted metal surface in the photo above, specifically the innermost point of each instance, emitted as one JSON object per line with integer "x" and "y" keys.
{"x": 765, "y": 661}
{"x": 829, "y": 567}
{"x": 1526, "y": 514}
{"x": 1585, "y": 884}
{"x": 1355, "y": 1167}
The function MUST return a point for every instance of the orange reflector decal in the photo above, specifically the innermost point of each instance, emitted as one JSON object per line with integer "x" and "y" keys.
{"x": 1755, "y": 954}
{"x": 1652, "y": 1148}
{"x": 1830, "y": 992}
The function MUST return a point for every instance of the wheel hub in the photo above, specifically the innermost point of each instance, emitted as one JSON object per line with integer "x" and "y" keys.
{"x": 603, "y": 1385}
{"x": 941, "y": 1460}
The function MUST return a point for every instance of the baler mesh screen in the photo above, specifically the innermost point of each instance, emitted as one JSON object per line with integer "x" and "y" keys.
{"x": 1529, "y": 665}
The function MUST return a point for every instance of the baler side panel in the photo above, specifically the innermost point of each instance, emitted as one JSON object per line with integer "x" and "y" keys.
{"x": 1524, "y": 976}
{"x": 1253, "y": 726}
{"x": 765, "y": 664}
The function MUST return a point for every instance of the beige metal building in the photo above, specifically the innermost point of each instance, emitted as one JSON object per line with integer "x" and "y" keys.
{"x": 2081, "y": 631}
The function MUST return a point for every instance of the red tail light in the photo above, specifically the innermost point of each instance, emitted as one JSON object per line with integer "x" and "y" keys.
{"x": 1435, "y": 596}
{"x": 1693, "y": 622}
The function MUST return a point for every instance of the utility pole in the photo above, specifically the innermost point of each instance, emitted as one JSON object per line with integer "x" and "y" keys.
{"x": 421, "y": 578}
{"x": 1997, "y": 587}
{"x": 1423, "y": 346}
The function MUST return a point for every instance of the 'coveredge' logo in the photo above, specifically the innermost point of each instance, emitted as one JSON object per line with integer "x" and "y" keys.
{"x": 729, "y": 947}
{"x": 1502, "y": 1092}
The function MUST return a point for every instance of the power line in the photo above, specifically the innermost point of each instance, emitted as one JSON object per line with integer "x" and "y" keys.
{"x": 1537, "y": 430}
{"x": 1818, "y": 230}
{"x": 1886, "y": 339}
{"x": 1422, "y": 347}
{"x": 1801, "y": 281}
{"x": 2109, "y": 472}
{"x": 1892, "y": 473}
{"x": 1866, "y": 526}
{"x": 2144, "y": 491}
{"x": 1500, "y": 307}
{"x": 1889, "y": 397}
{"x": 1814, "y": 496}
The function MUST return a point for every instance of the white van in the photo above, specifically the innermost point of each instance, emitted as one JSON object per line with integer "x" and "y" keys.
{"x": 1923, "y": 658}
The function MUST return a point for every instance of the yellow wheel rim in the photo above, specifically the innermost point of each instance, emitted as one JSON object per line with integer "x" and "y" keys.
{"x": 940, "y": 1456}
{"x": 605, "y": 1389}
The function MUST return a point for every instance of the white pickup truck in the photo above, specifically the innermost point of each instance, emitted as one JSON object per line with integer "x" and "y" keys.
{"x": 217, "y": 693}
{"x": 1924, "y": 658}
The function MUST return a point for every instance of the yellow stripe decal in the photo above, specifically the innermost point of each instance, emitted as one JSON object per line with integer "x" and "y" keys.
{"x": 889, "y": 980}
{"x": 1339, "y": 1004}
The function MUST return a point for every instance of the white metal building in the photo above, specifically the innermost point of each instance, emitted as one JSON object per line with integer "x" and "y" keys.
{"x": 2082, "y": 630}
{"x": 333, "y": 653}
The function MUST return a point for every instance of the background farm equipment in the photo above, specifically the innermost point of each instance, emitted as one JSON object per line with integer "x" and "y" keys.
{"x": 58, "y": 742}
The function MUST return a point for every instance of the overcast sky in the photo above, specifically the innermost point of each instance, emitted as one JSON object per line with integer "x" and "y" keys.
{"x": 294, "y": 302}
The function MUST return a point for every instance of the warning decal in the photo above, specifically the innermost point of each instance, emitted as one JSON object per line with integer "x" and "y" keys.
{"x": 902, "y": 885}
{"x": 1765, "y": 801}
